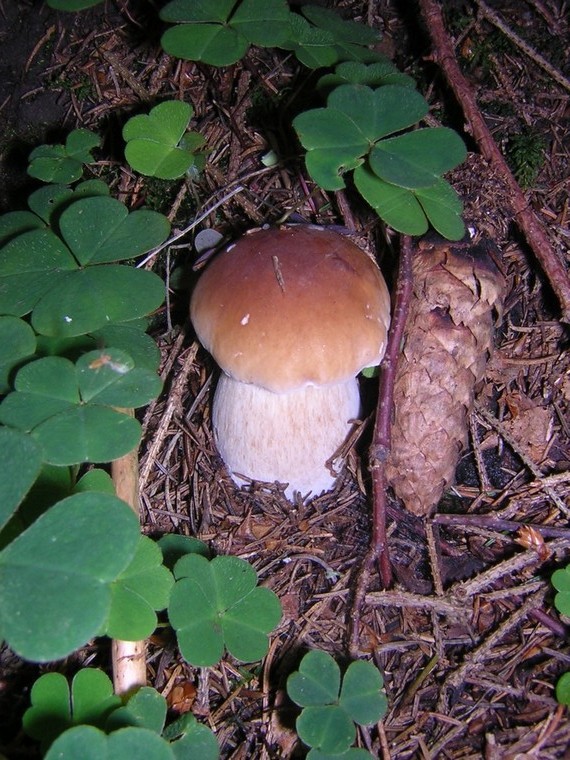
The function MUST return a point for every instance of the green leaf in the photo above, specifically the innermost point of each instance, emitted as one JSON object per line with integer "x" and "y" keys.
{"x": 327, "y": 728}
{"x": 216, "y": 603}
{"x": 95, "y": 480}
{"x": 19, "y": 467}
{"x": 87, "y": 434}
{"x": 317, "y": 682}
{"x": 146, "y": 708}
{"x": 134, "y": 341}
{"x": 361, "y": 694}
{"x": 50, "y": 377}
{"x": 373, "y": 75}
{"x": 17, "y": 342}
{"x": 563, "y": 689}
{"x": 262, "y": 23}
{"x": 397, "y": 206}
{"x": 56, "y": 576}
{"x": 30, "y": 265}
{"x": 109, "y": 376}
{"x": 210, "y": 32}
{"x": 142, "y": 589}
{"x": 196, "y": 740}
{"x": 154, "y": 141}
{"x": 17, "y": 222}
{"x": 198, "y": 11}
{"x": 123, "y": 236}
{"x": 211, "y": 43}
{"x": 48, "y": 202}
{"x": 313, "y": 47}
{"x": 89, "y": 743}
{"x": 338, "y": 137}
{"x": 561, "y": 581}
{"x": 341, "y": 29}
{"x": 65, "y": 405}
{"x": 443, "y": 208}
{"x": 90, "y": 299}
{"x": 417, "y": 159}
{"x": 378, "y": 113}
{"x": 56, "y": 707}
{"x": 63, "y": 163}
{"x": 334, "y": 144}
{"x": 174, "y": 546}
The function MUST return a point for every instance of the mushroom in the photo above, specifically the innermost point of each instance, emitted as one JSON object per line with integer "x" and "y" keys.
{"x": 291, "y": 315}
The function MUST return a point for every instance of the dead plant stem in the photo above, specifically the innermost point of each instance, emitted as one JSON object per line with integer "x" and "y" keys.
{"x": 129, "y": 657}
{"x": 382, "y": 430}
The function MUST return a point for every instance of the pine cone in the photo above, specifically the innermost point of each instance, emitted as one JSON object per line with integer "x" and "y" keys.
{"x": 458, "y": 289}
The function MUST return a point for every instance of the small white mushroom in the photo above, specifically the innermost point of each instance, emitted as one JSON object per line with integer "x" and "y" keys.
{"x": 318, "y": 311}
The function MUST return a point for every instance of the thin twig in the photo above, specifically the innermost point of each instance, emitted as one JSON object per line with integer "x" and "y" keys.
{"x": 491, "y": 522}
{"x": 478, "y": 656}
{"x": 497, "y": 21}
{"x": 443, "y": 54}
{"x": 382, "y": 430}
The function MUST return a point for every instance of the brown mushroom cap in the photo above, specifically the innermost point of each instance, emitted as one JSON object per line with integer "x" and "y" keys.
{"x": 292, "y": 306}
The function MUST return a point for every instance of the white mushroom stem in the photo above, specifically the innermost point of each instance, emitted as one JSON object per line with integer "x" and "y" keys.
{"x": 284, "y": 437}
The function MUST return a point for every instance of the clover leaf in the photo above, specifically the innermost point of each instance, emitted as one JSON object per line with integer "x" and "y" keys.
{"x": 331, "y": 708}
{"x": 146, "y": 708}
{"x": 188, "y": 739}
{"x": 410, "y": 211}
{"x": 375, "y": 74}
{"x": 55, "y": 706}
{"x": 217, "y": 604}
{"x": 60, "y": 279}
{"x": 219, "y": 32}
{"x": 57, "y": 575}
{"x": 63, "y": 163}
{"x": 157, "y": 143}
{"x": 48, "y": 202}
{"x": 142, "y": 589}
{"x": 417, "y": 159}
{"x": 563, "y": 689}
{"x": 19, "y": 468}
{"x": 320, "y": 37}
{"x": 17, "y": 342}
{"x": 561, "y": 581}
{"x": 340, "y": 136}
{"x": 90, "y": 743}
{"x": 66, "y": 406}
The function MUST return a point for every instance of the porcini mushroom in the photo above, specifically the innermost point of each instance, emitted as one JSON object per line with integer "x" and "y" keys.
{"x": 291, "y": 315}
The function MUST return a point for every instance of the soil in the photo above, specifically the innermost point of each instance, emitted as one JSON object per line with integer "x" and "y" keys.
{"x": 468, "y": 637}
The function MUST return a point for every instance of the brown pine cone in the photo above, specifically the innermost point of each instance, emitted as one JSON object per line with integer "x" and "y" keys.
{"x": 458, "y": 290}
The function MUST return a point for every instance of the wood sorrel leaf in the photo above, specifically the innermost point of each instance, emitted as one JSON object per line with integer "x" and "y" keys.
{"x": 56, "y": 576}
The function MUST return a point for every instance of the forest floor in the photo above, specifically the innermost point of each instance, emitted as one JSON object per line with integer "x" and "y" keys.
{"x": 468, "y": 639}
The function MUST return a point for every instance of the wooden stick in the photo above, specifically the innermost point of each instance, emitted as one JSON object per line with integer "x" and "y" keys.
{"x": 129, "y": 657}
{"x": 382, "y": 430}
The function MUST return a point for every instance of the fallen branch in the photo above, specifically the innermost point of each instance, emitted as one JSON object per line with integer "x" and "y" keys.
{"x": 529, "y": 224}
{"x": 382, "y": 429}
